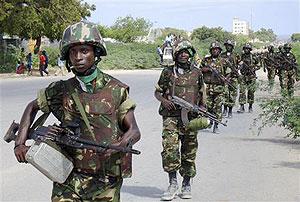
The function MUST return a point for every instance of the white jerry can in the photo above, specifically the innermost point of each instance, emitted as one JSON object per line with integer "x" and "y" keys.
{"x": 49, "y": 160}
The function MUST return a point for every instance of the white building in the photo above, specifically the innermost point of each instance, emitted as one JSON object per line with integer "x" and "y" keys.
{"x": 240, "y": 27}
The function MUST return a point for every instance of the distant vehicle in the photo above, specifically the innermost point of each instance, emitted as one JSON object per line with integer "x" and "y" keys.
{"x": 168, "y": 57}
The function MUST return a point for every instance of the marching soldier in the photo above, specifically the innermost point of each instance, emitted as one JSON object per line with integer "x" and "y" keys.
{"x": 289, "y": 72}
{"x": 248, "y": 65}
{"x": 231, "y": 90}
{"x": 214, "y": 73}
{"x": 270, "y": 65}
{"x": 183, "y": 80}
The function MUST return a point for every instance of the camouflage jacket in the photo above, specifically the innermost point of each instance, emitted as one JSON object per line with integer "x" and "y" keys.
{"x": 288, "y": 61}
{"x": 187, "y": 85}
{"x": 105, "y": 110}
{"x": 219, "y": 65}
{"x": 231, "y": 61}
{"x": 270, "y": 60}
{"x": 250, "y": 64}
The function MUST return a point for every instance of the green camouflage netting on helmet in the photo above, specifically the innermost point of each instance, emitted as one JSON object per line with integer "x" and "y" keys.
{"x": 82, "y": 33}
{"x": 184, "y": 45}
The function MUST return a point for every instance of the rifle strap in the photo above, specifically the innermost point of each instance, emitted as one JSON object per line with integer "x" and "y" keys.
{"x": 74, "y": 94}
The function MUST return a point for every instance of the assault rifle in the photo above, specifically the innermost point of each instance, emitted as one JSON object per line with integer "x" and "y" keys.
{"x": 65, "y": 135}
{"x": 247, "y": 68}
{"x": 196, "y": 109}
{"x": 220, "y": 76}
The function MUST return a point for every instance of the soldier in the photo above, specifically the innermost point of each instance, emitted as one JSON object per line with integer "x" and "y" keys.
{"x": 184, "y": 81}
{"x": 213, "y": 68}
{"x": 231, "y": 93}
{"x": 270, "y": 65}
{"x": 289, "y": 70}
{"x": 106, "y": 103}
{"x": 248, "y": 65}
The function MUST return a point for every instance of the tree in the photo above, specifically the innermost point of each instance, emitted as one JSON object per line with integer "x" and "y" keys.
{"x": 217, "y": 33}
{"x": 127, "y": 29}
{"x": 265, "y": 35}
{"x": 37, "y": 18}
{"x": 295, "y": 37}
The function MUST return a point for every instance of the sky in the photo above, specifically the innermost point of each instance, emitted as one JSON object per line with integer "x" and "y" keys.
{"x": 282, "y": 16}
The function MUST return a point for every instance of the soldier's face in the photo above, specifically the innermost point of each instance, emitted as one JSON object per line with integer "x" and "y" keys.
{"x": 183, "y": 57}
{"x": 215, "y": 52}
{"x": 82, "y": 57}
{"x": 247, "y": 50}
{"x": 229, "y": 48}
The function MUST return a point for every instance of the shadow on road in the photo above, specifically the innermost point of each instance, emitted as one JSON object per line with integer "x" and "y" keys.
{"x": 143, "y": 191}
{"x": 295, "y": 165}
{"x": 276, "y": 141}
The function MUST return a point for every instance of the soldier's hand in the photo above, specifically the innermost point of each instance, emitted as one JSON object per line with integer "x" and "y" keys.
{"x": 168, "y": 104}
{"x": 20, "y": 152}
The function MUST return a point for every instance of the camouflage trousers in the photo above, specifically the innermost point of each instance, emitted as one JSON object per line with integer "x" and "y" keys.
{"x": 231, "y": 93}
{"x": 175, "y": 156}
{"x": 80, "y": 187}
{"x": 271, "y": 76}
{"x": 247, "y": 90}
{"x": 288, "y": 82}
{"x": 215, "y": 99}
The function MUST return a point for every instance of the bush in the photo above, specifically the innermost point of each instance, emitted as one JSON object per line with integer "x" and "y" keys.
{"x": 9, "y": 59}
{"x": 130, "y": 56}
{"x": 284, "y": 112}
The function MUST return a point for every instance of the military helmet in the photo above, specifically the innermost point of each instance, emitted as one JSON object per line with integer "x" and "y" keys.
{"x": 184, "y": 45}
{"x": 270, "y": 47}
{"x": 287, "y": 46}
{"x": 247, "y": 45}
{"x": 82, "y": 33}
{"x": 215, "y": 45}
{"x": 229, "y": 42}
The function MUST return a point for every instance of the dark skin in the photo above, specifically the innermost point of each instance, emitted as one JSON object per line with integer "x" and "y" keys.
{"x": 82, "y": 58}
{"x": 182, "y": 62}
{"x": 229, "y": 48}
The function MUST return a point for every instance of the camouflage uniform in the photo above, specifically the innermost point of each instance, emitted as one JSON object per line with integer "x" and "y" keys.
{"x": 269, "y": 62}
{"x": 230, "y": 93}
{"x": 215, "y": 86}
{"x": 249, "y": 64}
{"x": 289, "y": 70}
{"x": 187, "y": 85}
{"x": 95, "y": 177}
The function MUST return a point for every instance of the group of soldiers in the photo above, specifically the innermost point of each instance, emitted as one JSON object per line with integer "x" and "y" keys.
{"x": 211, "y": 84}
{"x": 100, "y": 106}
{"x": 226, "y": 72}
{"x": 283, "y": 64}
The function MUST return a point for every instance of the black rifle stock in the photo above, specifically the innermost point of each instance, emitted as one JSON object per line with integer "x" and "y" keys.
{"x": 196, "y": 109}
{"x": 66, "y": 137}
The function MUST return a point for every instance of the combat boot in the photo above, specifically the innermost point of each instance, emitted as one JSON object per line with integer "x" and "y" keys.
{"x": 241, "y": 109}
{"x": 216, "y": 128}
{"x": 225, "y": 110}
{"x": 230, "y": 112}
{"x": 250, "y": 108}
{"x": 172, "y": 190}
{"x": 186, "y": 191}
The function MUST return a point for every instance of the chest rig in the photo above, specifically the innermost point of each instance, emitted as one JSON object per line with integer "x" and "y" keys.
{"x": 100, "y": 108}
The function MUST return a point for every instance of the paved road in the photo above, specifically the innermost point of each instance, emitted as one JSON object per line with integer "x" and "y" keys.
{"x": 235, "y": 165}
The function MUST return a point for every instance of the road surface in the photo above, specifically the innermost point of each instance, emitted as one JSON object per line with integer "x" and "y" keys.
{"x": 235, "y": 165}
